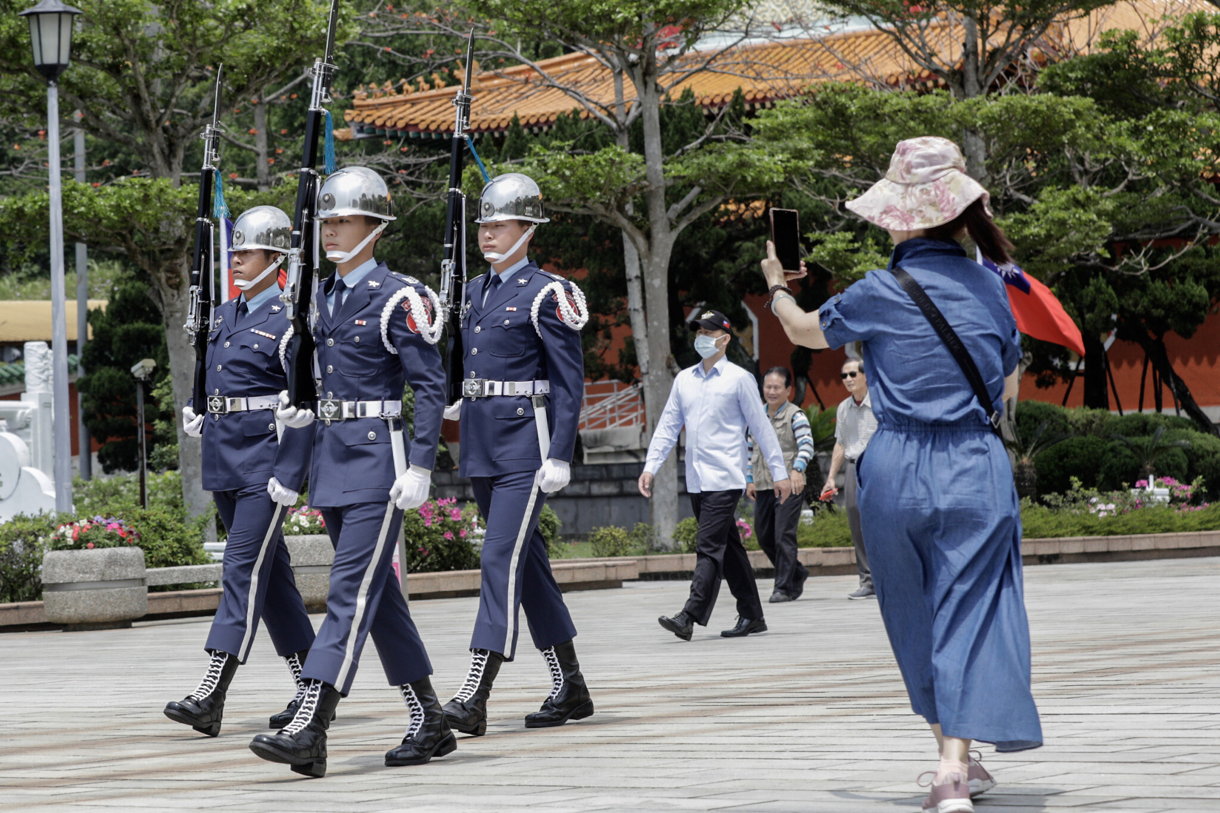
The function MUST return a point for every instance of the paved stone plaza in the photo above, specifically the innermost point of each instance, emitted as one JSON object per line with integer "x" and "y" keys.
{"x": 808, "y": 717}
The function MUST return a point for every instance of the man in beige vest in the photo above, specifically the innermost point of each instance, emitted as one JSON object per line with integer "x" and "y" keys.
{"x": 776, "y": 523}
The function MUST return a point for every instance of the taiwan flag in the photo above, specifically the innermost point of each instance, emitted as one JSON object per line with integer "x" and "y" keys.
{"x": 1038, "y": 312}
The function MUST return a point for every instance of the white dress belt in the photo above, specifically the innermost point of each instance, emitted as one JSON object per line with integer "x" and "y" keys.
{"x": 483, "y": 388}
{"x": 331, "y": 409}
{"x": 224, "y": 404}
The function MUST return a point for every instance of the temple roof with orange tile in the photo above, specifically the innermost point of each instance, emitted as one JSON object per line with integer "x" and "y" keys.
{"x": 764, "y": 72}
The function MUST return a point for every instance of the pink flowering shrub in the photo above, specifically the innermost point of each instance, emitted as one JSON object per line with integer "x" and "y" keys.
{"x": 744, "y": 529}
{"x": 441, "y": 535}
{"x": 303, "y": 520}
{"x": 88, "y": 533}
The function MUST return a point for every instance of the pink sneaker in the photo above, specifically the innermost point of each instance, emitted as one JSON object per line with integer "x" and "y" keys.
{"x": 953, "y": 796}
{"x": 979, "y": 780}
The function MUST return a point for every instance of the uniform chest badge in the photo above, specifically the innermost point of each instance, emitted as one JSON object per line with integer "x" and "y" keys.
{"x": 360, "y": 322}
{"x": 263, "y": 333}
{"x": 511, "y": 308}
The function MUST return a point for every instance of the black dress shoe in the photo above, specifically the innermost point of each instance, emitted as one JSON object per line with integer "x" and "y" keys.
{"x": 680, "y": 625}
{"x": 779, "y": 596}
{"x": 799, "y": 587}
{"x": 467, "y": 711}
{"x": 745, "y": 626}
{"x": 428, "y": 734}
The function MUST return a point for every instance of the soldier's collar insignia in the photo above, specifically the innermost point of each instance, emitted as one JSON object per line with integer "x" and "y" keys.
{"x": 276, "y": 308}
{"x": 522, "y": 281}
{"x": 374, "y": 283}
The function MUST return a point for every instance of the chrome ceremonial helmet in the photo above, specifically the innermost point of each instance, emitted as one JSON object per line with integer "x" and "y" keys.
{"x": 263, "y": 227}
{"x": 355, "y": 191}
{"x": 511, "y": 196}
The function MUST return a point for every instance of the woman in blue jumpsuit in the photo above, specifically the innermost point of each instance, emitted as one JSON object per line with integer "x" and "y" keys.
{"x": 940, "y": 513}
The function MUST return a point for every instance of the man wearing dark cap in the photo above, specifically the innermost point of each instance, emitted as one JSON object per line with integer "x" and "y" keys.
{"x": 716, "y": 402}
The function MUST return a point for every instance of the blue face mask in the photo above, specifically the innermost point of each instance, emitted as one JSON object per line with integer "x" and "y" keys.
{"x": 705, "y": 346}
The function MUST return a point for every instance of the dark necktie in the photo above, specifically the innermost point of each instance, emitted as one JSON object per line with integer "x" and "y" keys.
{"x": 242, "y": 310}
{"x": 493, "y": 285}
{"x": 337, "y": 302}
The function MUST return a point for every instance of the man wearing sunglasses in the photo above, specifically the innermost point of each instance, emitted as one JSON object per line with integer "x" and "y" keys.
{"x": 854, "y": 426}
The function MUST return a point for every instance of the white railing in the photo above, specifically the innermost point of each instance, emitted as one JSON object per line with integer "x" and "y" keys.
{"x": 611, "y": 405}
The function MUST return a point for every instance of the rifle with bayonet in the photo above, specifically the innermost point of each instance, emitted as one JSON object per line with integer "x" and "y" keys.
{"x": 202, "y": 291}
{"x": 453, "y": 263}
{"x": 303, "y": 246}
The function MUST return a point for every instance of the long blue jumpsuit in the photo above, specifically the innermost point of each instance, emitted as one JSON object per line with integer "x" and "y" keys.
{"x": 940, "y": 515}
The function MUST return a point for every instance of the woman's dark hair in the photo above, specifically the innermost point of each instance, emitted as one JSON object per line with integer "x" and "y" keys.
{"x": 782, "y": 372}
{"x": 975, "y": 221}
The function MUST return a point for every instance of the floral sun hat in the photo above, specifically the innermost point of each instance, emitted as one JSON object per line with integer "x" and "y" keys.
{"x": 926, "y": 186}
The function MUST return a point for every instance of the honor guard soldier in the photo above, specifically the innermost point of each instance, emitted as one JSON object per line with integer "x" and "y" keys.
{"x": 241, "y": 450}
{"x": 374, "y": 330}
{"x": 522, "y": 388}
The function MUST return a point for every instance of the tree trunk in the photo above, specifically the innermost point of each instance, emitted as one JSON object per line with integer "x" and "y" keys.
{"x": 659, "y": 381}
{"x": 1154, "y": 347}
{"x": 182, "y": 371}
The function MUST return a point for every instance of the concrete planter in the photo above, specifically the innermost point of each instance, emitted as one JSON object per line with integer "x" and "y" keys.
{"x": 312, "y": 555}
{"x": 94, "y": 589}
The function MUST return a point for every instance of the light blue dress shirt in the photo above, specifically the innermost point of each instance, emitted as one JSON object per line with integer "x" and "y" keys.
{"x": 717, "y": 407}
{"x": 351, "y": 280}
{"x": 504, "y": 275}
{"x": 262, "y": 298}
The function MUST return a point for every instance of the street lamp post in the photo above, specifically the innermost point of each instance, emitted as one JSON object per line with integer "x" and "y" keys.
{"x": 51, "y": 38}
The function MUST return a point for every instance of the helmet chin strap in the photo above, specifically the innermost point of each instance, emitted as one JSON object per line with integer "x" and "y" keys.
{"x": 493, "y": 257}
{"x": 336, "y": 256}
{"x": 246, "y": 284}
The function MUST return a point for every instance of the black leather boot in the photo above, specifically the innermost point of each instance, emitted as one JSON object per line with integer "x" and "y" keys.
{"x": 428, "y": 733}
{"x": 302, "y": 743}
{"x": 569, "y": 699}
{"x": 203, "y": 708}
{"x": 467, "y": 711}
{"x": 295, "y": 661}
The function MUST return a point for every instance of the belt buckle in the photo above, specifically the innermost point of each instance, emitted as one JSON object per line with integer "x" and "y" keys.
{"x": 233, "y": 404}
{"x": 218, "y": 404}
{"x": 474, "y": 388}
{"x": 330, "y": 409}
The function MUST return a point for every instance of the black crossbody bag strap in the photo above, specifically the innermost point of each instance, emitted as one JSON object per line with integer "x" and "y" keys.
{"x": 949, "y": 337}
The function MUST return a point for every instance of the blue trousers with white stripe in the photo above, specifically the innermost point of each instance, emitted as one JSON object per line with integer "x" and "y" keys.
{"x": 256, "y": 578}
{"x": 365, "y": 598}
{"x": 515, "y": 563}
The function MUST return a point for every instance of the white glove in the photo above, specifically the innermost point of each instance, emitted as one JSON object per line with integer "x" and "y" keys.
{"x": 454, "y": 411}
{"x": 553, "y": 475}
{"x": 290, "y": 416}
{"x": 192, "y": 424}
{"x": 410, "y": 490}
{"x": 283, "y": 495}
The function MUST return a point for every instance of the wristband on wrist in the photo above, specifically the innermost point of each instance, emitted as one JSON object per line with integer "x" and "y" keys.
{"x": 777, "y": 296}
{"x": 778, "y": 287}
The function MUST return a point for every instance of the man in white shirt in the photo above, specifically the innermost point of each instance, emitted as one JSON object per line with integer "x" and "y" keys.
{"x": 717, "y": 402}
{"x": 854, "y": 427}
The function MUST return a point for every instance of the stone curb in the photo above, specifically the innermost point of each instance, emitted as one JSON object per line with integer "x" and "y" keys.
{"x": 587, "y": 574}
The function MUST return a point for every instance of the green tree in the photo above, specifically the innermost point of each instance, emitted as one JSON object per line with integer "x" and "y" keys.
{"x": 646, "y": 186}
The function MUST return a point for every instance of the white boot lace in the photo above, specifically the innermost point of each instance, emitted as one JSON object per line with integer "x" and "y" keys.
{"x": 294, "y": 664}
{"x": 212, "y": 676}
{"x": 552, "y": 663}
{"x": 478, "y": 662}
{"x": 414, "y": 708}
{"x": 305, "y": 713}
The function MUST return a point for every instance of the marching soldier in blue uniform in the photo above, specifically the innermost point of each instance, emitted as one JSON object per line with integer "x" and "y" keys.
{"x": 522, "y": 388}
{"x": 374, "y": 330}
{"x": 241, "y": 450}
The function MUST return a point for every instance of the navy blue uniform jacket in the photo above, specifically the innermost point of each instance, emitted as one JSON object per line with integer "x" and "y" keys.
{"x": 498, "y": 432}
{"x": 353, "y": 460}
{"x": 240, "y": 448}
